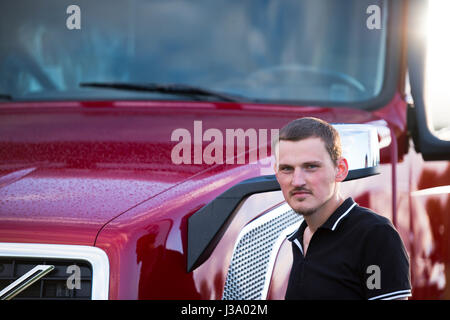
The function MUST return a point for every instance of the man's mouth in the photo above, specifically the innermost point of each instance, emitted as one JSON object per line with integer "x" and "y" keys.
{"x": 301, "y": 192}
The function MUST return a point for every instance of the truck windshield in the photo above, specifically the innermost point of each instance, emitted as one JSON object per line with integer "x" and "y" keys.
{"x": 259, "y": 50}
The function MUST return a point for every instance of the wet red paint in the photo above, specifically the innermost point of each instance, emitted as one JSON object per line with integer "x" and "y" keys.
{"x": 101, "y": 174}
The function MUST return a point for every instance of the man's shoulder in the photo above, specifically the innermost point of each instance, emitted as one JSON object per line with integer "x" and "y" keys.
{"x": 373, "y": 230}
{"x": 366, "y": 219}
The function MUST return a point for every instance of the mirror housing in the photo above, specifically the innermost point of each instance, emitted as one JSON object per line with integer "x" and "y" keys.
{"x": 361, "y": 149}
{"x": 431, "y": 147}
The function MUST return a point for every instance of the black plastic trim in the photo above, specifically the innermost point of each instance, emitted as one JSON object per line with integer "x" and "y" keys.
{"x": 362, "y": 173}
{"x": 207, "y": 226}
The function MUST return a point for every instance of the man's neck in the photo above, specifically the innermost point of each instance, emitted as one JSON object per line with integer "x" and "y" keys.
{"x": 318, "y": 218}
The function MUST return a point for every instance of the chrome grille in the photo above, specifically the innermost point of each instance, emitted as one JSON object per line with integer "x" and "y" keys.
{"x": 253, "y": 257}
{"x": 55, "y": 285}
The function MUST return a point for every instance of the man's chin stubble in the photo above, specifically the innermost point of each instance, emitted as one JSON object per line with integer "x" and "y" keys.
{"x": 306, "y": 212}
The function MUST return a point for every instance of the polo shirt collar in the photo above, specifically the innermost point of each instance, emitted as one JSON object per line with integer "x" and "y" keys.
{"x": 332, "y": 222}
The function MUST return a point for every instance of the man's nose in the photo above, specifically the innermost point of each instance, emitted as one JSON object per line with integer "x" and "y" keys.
{"x": 298, "y": 179}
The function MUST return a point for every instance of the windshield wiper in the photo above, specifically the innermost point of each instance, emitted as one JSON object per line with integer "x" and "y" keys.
{"x": 5, "y": 96}
{"x": 176, "y": 89}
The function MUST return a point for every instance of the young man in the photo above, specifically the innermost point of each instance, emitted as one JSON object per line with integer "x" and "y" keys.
{"x": 341, "y": 250}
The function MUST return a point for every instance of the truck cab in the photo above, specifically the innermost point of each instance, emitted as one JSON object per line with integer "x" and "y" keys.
{"x": 135, "y": 140}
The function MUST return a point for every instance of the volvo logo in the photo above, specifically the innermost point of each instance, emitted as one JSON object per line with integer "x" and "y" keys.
{"x": 25, "y": 281}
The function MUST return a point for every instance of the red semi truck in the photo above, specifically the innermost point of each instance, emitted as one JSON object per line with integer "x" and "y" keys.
{"x": 135, "y": 156}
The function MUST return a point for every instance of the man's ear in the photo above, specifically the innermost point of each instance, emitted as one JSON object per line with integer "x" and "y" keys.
{"x": 275, "y": 168}
{"x": 341, "y": 170}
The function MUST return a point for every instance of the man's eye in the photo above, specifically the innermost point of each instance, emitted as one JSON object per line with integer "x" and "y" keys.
{"x": 311, "y": 166}
{"x": 285, "y": 169}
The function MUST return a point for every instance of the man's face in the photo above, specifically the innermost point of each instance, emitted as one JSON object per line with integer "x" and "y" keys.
{"x": 307, "y": 175}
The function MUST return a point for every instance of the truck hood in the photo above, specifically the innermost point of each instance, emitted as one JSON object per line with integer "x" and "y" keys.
{"x": 69, "y": 204}
{"x": 67, "y": 169}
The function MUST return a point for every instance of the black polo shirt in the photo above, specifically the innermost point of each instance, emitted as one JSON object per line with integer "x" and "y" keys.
{"x": 355, "y": 254}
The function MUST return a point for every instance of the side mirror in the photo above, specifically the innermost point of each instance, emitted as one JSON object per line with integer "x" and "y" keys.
{"x": 360, "y": 148}
{"x": 429, "y": 68}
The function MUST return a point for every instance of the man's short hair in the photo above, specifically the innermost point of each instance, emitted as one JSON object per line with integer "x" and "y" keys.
{"x": 308, "y": 127}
